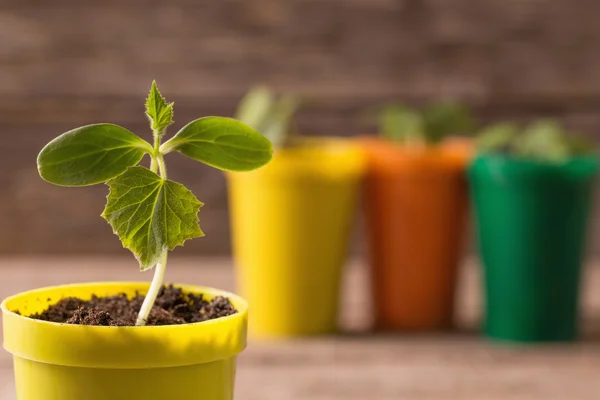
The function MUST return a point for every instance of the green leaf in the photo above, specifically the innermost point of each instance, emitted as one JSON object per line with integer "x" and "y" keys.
{"x": 158, "y": 111}
{"x": 90, "y": 154}
{"x": 580, "y": 145}
{"x": 277, "y": 127}
{"x": 497, "y": 138}
{"x": 269, "y": 114}
{"x": 255, "y": 107}
{"x": 151, "y": 215}
{"x": 223, "y": 143}
{"x": 401, "y": 124}
{"x": 446, "y": 118}
{"x": 543, "y": 140}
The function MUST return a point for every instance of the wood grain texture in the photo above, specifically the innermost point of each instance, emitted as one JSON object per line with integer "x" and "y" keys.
{"x": 357, "y": 365}
{"x": 65, "y": 63}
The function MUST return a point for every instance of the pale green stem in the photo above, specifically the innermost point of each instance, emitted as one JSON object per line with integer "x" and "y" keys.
{"x": 157, "y": 280}
{"x": 155, "y": 153}
{"x": 162, "y": 167}
{"x": 156, "y": 165}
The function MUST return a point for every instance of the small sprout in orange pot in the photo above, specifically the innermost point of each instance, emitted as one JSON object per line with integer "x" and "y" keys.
{"x": 429, "y": 126}
{"x": 416, "y": 205}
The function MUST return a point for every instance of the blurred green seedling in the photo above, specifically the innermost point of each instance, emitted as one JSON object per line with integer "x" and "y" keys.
{"x": 544, "y": 140}
{"x": 269, "y": 113}
{"x": 150, "y": 213}
{"x": 429, "y": 125}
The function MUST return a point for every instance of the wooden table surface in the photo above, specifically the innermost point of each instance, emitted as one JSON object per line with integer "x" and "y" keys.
{"x": 357, "y": 365}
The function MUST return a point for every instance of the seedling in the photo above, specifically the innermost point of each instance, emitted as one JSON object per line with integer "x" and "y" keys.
{"x": 151, "y": 214}
{"x": 544, "y": 140}
{"x": 270, "y": 114}
{"x": 424, "y": 127}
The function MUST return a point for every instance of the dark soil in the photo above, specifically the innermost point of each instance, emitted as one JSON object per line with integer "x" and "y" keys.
{"x": 172, "y": 307}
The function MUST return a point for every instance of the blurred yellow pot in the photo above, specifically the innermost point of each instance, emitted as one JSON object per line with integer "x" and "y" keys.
{"x": 291, "y": 220}
{"x": 72, "y": 362}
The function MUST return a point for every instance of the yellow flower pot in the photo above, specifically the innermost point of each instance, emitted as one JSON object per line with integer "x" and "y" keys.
{"x": 291, "y": 220}
{"x": 55, "y": 361}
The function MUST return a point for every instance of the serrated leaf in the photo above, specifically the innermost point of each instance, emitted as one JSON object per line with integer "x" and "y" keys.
{"x": 90, "y": 154}
{"x": 151, "y": 215}
{"x": 159, "y": 112}
{"x": 223, "y": 143}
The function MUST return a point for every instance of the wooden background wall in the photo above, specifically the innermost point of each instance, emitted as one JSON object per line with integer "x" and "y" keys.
{"x": 69, "y": 62}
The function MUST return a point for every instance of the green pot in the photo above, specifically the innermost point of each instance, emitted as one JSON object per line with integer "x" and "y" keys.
{"x": 531, "y": 225}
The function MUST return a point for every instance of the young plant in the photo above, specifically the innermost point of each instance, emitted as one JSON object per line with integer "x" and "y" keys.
{"x": 544, "y": 140}
{"x": 401, "y": 124}
{"x": 270, "y": 114}
{"x": 150, "y": 214}
{"x": 424, "y": 127}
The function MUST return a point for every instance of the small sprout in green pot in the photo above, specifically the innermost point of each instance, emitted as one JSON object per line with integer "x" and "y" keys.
{"x": 532, "y": 193}
{"x": 544, "y": 140}
{"x": 497, "y": 137}
{"x": 269, "y": 113}
{"x": 150, "y": 213}
{"x": 427, "y": 126}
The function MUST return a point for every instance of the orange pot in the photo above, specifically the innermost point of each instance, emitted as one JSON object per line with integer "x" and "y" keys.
{"x": 416, "y": 203}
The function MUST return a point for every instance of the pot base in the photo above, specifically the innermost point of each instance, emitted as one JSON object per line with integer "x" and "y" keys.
{"x": 40, "y": 381}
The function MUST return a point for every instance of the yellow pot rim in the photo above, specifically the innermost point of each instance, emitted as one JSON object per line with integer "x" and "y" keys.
{"x": 119, "y": 347}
